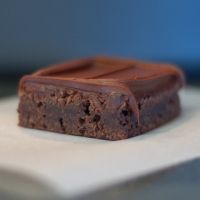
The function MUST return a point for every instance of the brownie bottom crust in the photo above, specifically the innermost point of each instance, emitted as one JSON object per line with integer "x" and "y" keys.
{"x": 83, "y": 113}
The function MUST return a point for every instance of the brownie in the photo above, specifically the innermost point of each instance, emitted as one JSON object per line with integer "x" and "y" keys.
{"x": 100, "y": 97}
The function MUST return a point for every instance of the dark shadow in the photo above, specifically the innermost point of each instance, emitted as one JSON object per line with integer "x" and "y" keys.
{"x": 15, "y": 185}
{"x": 178, "y": 182}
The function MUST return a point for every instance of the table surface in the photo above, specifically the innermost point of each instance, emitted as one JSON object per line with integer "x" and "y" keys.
{"x": 177, "y": 182}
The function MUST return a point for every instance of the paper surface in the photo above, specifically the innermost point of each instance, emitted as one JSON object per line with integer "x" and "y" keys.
{"x": 74, "y": 165}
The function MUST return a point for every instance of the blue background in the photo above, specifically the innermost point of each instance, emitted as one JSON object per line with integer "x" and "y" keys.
{"x": 39, "y": 32}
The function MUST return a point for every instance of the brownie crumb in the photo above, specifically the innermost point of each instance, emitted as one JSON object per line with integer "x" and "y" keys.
{"x": 81, "y": 121}
{"x": 39, "y": 104}
{"x": 61, "y": 124}
{"x": 125, "y": 112}
{"x": 96, "y": 118}
{"x": 86, "y": 106}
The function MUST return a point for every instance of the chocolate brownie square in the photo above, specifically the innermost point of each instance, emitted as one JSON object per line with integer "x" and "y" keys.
{"x": 100, "y": 97}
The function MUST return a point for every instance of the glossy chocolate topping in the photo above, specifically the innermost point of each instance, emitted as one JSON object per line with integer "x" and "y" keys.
{"x": 108, "y": 68}
{"x": 104, "y": 74}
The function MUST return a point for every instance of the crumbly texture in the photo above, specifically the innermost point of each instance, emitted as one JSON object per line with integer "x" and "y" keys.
{"x": 93, "y": 114}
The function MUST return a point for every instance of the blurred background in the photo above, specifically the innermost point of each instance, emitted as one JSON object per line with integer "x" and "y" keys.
{"x": 36, "y": 33}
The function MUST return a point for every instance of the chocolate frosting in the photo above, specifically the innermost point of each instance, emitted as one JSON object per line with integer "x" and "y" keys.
{"x": 106, "y": 75}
